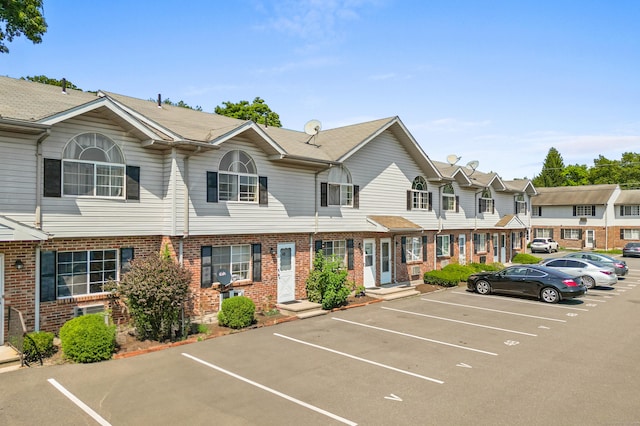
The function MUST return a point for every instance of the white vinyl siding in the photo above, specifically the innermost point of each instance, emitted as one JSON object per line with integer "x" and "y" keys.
{"x": 94, "y": 217}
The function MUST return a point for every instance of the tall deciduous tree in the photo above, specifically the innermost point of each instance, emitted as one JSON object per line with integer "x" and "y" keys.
{"x": 576, "y": 175}
{"x": 21, "y": 17}
{"x": 257, "y": 111}
{"x": 552, "y": 171}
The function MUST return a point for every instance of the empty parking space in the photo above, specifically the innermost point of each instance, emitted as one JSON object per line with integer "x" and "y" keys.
{"x": 398, "y": 362}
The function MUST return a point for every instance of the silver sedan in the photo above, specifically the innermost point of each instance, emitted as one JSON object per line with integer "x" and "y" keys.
{"x": 592, "y": 274}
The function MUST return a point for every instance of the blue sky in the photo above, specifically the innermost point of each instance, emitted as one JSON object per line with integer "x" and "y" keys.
{"x": 500, "y": 82}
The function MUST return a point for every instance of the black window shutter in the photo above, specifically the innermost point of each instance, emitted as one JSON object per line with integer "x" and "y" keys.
{"x": 551, "y": 235}
{"x": 52, "y": 177}
{"x": 488, "y": 248}
{"x": 212, "y": 187}
{"x": 318, "y": 245}
{"x": 622, "y": 234}
{"x": 257, "y": 262}
{"x": 493, "y": 208}
{"x": 323, "y": 194}
{"x": 126, "y": 256}
{"x": 621, "y": 210}
{"x": 425, "y": 240}
{"x": 574, "y": 210}
{"x": 205, "y": 267}
{"x": 593, "y": 210}
{"x": 47, "y": 276}
{"x": 476, "y": 243}
{"x": 133, "y": 183}
{"x": 356, "y": 196}
{"x": 263, "y": 195}
{"x": 403, "y": 249}
{"x": 579, "y": 234}
{"x": 457, "y": 204}
{"x": 409, "y": 199}
{"x": 480, "y": 205}
{"x": 350, "y": 254}
{"x": 452, "y": 242}
{"x": 430, "y": 201}
{"x": 526, "y": 208}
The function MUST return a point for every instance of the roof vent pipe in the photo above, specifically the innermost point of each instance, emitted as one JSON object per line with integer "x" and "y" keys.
{"x": 159, "y": 100}
{"x": 64, "y": 86}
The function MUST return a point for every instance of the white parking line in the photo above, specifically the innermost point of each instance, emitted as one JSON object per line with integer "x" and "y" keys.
{"x": 593, "y": 300}
{"x": 84, "y": 407}
{"x": 415, "y": 337}
{"x": 460, "y": 322}
{"x": 493, "y": 310}
{"x": 548, "y": 305}
{"x": 357, "y": 358}
{"x": 273, "y": 391}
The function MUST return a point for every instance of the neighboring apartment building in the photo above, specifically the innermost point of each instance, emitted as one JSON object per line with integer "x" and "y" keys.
{"x": 92, "y": 181}
{"x": 587, "y": 217}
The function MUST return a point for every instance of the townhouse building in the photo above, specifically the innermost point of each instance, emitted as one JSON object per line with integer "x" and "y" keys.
{"x": 92, "y": 181}
{"x": 587, "y": 217}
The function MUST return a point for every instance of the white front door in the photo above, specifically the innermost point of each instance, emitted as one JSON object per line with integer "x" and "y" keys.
{"x": 1, "y": 299}
{"x": 385, "y": 261}
{"x": 503, "y": 248}
{"x": 589, "y": 238}
{"x": 462, "y": 249}
{"x": 286, "y": 272}
{"x": 369, "y": 259}
{"x": 495, "y": 247}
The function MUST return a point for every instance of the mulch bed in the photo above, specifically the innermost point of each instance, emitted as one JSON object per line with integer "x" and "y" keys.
{"x": 128, "y": 345}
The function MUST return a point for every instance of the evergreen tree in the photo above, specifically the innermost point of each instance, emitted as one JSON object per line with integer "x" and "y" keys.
{"x": 552, "y": 171}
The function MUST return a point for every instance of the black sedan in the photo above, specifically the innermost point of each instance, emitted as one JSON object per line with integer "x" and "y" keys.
{"x": 547, "y": 284}
{"x": 631, "y": 250}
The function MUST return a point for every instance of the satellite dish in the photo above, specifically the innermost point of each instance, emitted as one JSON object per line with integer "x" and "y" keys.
{"x": 312, "y": 127}
{"x": 473, "y": 164}
{"x": 453, "y": 159}
{"x": 224, "y": 277}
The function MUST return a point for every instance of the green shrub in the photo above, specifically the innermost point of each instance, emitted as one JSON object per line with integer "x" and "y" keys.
{"x": 155, "y": 290}
{"x": 88, "y": 339}
{"x": 453, "y": 274}
{"x": 237, "y": 312}
{"x": 525, "y": 258}
{"x": 327, "y": 282}
{"x": 38, "y": 342}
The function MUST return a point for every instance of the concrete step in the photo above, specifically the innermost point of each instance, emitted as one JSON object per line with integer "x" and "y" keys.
{"x": 9, "y": 359}
{"x": 392, "y": 293}
{"x": 301, "y": 308}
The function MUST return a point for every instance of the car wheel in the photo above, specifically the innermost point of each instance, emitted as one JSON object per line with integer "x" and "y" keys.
{"x": 483, "y": 287}
{"x": 588, "y": 281}
{"x": 550, "y": 295}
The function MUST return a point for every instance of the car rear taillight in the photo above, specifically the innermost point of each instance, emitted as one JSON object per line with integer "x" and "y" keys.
{"x": 570, "y": 283}
{"x": 619, "y": 265}
{"x": 607, "y": 272}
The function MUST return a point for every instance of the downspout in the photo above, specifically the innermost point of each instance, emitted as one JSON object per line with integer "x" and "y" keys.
{"x": 38, "y": 212}
{"x": 185, "y": 179}
{"x": 606, "y": 226}
{"x": 37, "y": 291}
{"x": 174, "y": 184}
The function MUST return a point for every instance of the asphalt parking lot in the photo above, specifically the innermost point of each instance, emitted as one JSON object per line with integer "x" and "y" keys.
{"x": 450, "y": 357}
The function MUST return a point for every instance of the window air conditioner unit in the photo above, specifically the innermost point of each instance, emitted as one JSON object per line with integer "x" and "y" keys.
{"x": 86, "y": 310}
{"x": 415, "y": 270}
{"x": 228, "y": 294}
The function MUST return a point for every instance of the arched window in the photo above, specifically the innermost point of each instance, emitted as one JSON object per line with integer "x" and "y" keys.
{"x": 93, "y": 166}
{"x": 419, "y": 194}
{"x": 448, "y": 197}
{"x": 521, "y": 204}
{"x": 340, "y": 187}
{"x": 485, "y": 204}
{"x": 238, "y": 177}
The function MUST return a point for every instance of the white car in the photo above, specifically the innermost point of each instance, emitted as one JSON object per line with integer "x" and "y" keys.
{"x": 546, "y": 245}
{"x": 592, "y": 274}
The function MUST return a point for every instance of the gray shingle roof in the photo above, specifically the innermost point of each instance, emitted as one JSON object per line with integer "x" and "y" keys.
{"x": 574, "y": 195}
{"x": 629, "y": 197}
